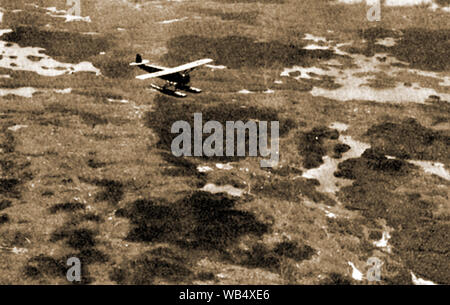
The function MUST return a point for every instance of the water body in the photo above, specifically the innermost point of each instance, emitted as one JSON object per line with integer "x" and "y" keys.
{"x": 376, "y": 78}
{"x": 23, "y": 91}
{"x": 33, "y": 59}
{"x": 215, "y": 189}
{"x": 325, "y": 173}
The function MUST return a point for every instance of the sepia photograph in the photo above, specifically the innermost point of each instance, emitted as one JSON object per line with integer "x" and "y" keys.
{"x": 209, "y": 146}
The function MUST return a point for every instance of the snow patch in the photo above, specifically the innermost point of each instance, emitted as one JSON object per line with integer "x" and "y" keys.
{"x": 63, "y": 91}
{"x": 172, "y": 20}
{"x": 315, "y": 47}
{"x": 231, "y": 190}
{"x": 225, "y": 166}
{"x": 339, "y": 126}
{"x": 23, "y": 91}
{"x": 435, "y": 168}
{"x": 387, "y": 42}
{"x": 325, "y": 172}
{"x": 17, "y": 127}
{"x": 314, "y": 38}
{"x": 204, "y": 168}
{"x": 356, "y": 274}
{"x": 33, "y": 59}
{"x": 420, "y": 281}
{"x": 384, "y": 242}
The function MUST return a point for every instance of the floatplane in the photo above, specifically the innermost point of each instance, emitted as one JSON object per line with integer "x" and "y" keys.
{"x": 176, "y": 78}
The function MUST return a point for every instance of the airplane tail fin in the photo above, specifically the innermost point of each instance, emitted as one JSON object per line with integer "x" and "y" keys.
{"x": 139, "y": 61}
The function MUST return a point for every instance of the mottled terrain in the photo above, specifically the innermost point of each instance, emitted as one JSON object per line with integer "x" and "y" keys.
{"x": 86, "y": 168}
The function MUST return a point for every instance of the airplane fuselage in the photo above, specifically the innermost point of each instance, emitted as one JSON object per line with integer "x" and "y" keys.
{"x": 179, "y": 78}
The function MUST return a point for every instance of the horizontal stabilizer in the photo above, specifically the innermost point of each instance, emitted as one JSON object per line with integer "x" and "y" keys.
{"x": 145, "y": 61}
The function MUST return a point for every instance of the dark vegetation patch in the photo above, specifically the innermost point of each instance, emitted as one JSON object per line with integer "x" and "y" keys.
{"x": 82, "y": 240}
{"x": 121, "y": 213}
{"x": 113, "y": 191}
{"x": 47, "y": 193}
{"x": 285, "y": 171}
{"x": 89, "y": 256}
{"x": 12, "y": 164}
{"x": 95, "y": 164}
{"x": 7, "y": 141}
{"x": 238, "y": 52}
{"x": 244, "y": 17}
{"x": 88, "y": 118}
{"x": 168, "y": 112}
{"x": 34, "y": 58}
{"x": 375, "y": 235}
{"x": 382, "y": 81}
{"x": 311, "y": 145}
{"x": 418, "y": 238}
{"x": 290, "y": 190}
{"x": 339, "y": 149}
{"x": 67, "y": 207}
{"x": 259, "y": 256}
{"x": 15, "y": 239}
{"x": 114, "y": 68}
{"x": 42, "y": 265}
{"x": 440, "y": 119}
{"x": 91, "y": 217}
{"x": 4, "y": 218}
{"x": 78, "y": 239}
{"x": 13, "y": 168}
{"x": 198, "y": 221}
{"x": 345, "y": 227}
{"x": 166, "y": 264}
{"x": 374, "y": 33}
{"x": 91, "y": 118}
{"x": 68, "y": 46}
{"x": 98, "y": 93}
{"x": 410, "y": 140}
{"x": 424, "y": 245}
{"x": 230, "y": 179}
{"x": 422, "y": 48}
{"x": 335, "y": 278}
{"x": 399, "y": 275}
{"x": 372, "y": 162}
{"x": 4, "y": 204}
{"x": 294, "y": 251}
{"x": 10, "y": 187}
{"x": 115, "y": 64}
{"x": 181, "y": 166}
{"x": 206, "y": 276}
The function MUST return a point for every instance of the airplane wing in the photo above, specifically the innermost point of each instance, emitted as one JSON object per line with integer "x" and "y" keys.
{"x": 174, "y": 70}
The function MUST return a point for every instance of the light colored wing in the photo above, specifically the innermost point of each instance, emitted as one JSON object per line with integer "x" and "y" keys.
{"x": 174, "y": 70}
